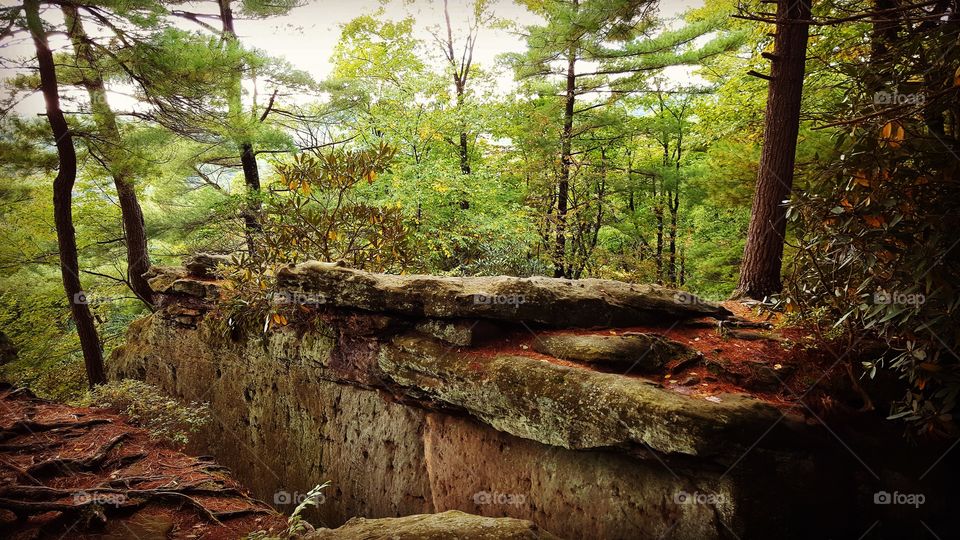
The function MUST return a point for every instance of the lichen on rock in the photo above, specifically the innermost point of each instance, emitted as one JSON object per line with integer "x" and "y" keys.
{"x": 441, "y": 526}
{"x": 575, "y": 408}
{"x": 549, "y": 301}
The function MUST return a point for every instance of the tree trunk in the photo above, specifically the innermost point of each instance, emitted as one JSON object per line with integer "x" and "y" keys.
{"x": 673, "y": 203}
{"x": 464, "y": 154}
{"x": 763, "y": 253}
{"x": 683, "y": 268}
{"x": 566, "y": 161}
{"x": 658, "y": 214}
{"x": 248, "y": 158}
{"x": 460, "y": 74}
{"x": 135, "y": 234}
{"x": 63, "y": 199}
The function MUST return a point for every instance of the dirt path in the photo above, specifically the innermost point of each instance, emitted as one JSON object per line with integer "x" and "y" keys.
{"x": 76, "y": 472}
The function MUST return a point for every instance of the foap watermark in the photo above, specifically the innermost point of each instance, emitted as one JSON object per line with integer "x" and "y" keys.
{"x": 909, "y": 499}
{"x": 285, "y": 497}
{"x": 89, "y": 299}
{"x": 688, "y": 299}
{"x": 499, "y": 299}
{"x": 885, "y": 97}
{"x": 495, "y": 497}
{"x": 712, "y": 499}
{"x": 298, "y": 298}
{"x": 99, "y": 498}
{"x": 898, "y": 298}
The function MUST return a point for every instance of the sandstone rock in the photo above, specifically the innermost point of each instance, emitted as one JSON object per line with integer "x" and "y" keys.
{"x": 638, "y": 352}
{"x": 160, "y": 278}
{"x": 576, "y": 408}
{"x": 192, "y": 287}
{"x": 463, "y": 333}
{"x": 549, "y": 301}
{"x": 205, "y": 264}
{"x": 286, "y": 418}
{"x": 172, "y": 280}
{"x": 451, "y": 524}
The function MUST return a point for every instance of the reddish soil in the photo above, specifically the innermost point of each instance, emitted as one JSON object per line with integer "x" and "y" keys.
{"x": 776, "y": 365}
{"x": 77, "y": 472}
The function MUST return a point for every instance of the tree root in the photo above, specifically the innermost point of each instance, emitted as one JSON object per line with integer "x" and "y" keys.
{"x": 27, "y": 427}
{"x": 72, "y": 465}
{"x": 31, "y": 500}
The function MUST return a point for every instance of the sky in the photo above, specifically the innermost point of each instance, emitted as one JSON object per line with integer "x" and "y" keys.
{"x": 307, "y": 35}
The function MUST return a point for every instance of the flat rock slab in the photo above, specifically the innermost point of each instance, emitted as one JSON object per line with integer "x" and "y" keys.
{"x": 549, "y": 301}
{"x": 576, "y": 408}
{"x": 451, "y": 524}
{"x": 637, "y": 352}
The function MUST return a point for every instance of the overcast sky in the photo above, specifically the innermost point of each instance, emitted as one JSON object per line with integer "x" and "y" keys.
{"x": 307, "y": 35}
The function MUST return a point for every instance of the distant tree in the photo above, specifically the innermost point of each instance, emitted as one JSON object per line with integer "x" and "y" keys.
{"x": 459, "y": 64}
{"x": 594, "y": 53}
{"x": 244, "y": 125}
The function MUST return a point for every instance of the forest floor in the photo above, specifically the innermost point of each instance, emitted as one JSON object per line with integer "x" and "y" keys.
{"x": 79, "y": 472}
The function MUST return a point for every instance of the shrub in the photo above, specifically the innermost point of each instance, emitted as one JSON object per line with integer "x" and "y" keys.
{"x": 145, "y": 406}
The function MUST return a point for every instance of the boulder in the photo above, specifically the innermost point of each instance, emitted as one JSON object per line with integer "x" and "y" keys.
{"x": 160, "y": 278}
{"x": 176, "y": 281}
{"x": 451, "y": 524}
{"x": 576, "y": 408}
{"x": 637, "y": 352}
{"x": 548, "y": 301}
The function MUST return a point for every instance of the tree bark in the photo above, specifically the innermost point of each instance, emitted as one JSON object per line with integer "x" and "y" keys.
{"x": 460, "y": 73}
{"x": 763, "y": 253}
{"x": 673, "y": 203}
{"x": 566, "y": 161}
{"x": 63, "y": 199}
{"x": 135, "y": 235}
{"x": 248, "y": 158}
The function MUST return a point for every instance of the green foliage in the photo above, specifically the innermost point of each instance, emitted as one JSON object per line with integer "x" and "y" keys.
{"x": 145, "y": 406}
{"x": 875, "y": 225}
{"x": 319, "y": 209}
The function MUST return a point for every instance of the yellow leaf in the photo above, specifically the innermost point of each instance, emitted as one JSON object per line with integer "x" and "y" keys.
{"x": 892, "y": 134}
{"x": 279, "y": 319}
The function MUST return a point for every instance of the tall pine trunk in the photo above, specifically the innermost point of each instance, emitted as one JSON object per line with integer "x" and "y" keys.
{"x": 134, "y": 231}
{"x": 248, "y": 158}
{"x": 763, "y": 253}
{"x": 63, "y": 199}
{"x": 566, "y": 162}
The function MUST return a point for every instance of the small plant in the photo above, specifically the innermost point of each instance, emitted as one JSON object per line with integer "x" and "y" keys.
{"x": 147, "y": 407}
{"x": 297, "y": 526}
